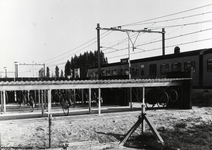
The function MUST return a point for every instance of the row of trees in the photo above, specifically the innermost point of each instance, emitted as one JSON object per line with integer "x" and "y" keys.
{"x": 83, "y": 62}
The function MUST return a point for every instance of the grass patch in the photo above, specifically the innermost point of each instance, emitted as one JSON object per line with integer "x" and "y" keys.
{"x": 201, "y": 98}
{"x": 180, "y": 125}
{"x": 198, "y": 137}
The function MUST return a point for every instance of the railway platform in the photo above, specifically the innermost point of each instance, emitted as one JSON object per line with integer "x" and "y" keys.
{"x": 24, "y": 112}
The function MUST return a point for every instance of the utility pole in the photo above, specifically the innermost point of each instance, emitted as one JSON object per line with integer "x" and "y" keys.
{"x": 98, "y": 49}
{"x": 163, "y": 41}
{"x": 99, "y": 70}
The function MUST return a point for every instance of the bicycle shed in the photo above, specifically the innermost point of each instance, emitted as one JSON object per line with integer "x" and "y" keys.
{"x": 184, "y": 83}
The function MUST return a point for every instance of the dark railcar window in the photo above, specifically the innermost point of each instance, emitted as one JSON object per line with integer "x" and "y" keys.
{"x": 188, "y": 65}
{"x": 142, "y": 70}
{"x": 120, "y": 72}
{"x": 126, "y": 71}
{"x": 103, "y": 72}
{"x": 114, "y": 72}
{"x": 164, "y": 68}
{"x": 135, "y": 71}
{"x": 176, "y": 67}
{"x": 108, "y": 72}
{"x": 209, "y": 65}
{"x": 153, "y": 70}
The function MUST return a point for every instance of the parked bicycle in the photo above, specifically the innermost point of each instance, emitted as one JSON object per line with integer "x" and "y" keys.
{"x": 21, "y": 98}
{"x": 65, "y": 99}
{"x": 161, "y": 96}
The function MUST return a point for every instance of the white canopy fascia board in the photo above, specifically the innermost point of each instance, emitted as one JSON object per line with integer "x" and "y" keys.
{"x": 86, "y": 86}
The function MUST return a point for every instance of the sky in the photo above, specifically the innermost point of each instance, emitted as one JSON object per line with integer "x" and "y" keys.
{"x": 50, "y": 32}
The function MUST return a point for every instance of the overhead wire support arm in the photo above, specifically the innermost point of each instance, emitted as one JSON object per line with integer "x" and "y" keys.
{"x": 33, "y": 64}
{"x": 145, "y": 30}
{"x": 119, "y": 28}
{"x": 30, "y": 64}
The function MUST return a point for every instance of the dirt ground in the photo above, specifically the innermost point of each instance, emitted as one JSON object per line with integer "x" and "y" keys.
{"x": 91, "y": 131}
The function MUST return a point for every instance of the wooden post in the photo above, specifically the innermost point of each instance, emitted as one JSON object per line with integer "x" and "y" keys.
{"x": 82, "y": 100}
{"x": 74, "y": 96}
{"x": 39, "y": 96}
{"x": 4, "y": 101}
{"x": 42, "y": 108}
{"x": 28, "y": 92}
{"x": 44, "y": 93}
{"x": 15, "y": 95}
{"x": 143, "y": 111}
{"x": 99, "y": 101}
{"x": 130, "y": 98}
{"x": 0, "y": 140}
{"x": 50, "y": 129}
{"x": 89, "y": 100}
{"x": 35, "y": 98}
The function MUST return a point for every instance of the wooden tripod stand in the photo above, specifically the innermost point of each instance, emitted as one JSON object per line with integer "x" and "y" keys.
{"x": 141, "y": 120}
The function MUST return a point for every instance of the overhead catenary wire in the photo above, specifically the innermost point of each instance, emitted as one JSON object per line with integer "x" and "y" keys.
{"x": 151, "y": 23}
{"x": 176, "y": 36}
{"x": 172, "y": 26}
{"x": 177, "y": 13}
{"x": 139, "y": 45}
{"x": 185, "y": 24}
{"x": 147, "y": 22}
{"x": 174, "y": 19}
{"x": 73, "y": 53}
{"x": 159, "y": 48}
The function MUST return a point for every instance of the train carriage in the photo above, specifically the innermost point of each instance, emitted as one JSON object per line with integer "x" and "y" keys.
{"x": 196, "y": 64}
{"x": 199, "y": 61}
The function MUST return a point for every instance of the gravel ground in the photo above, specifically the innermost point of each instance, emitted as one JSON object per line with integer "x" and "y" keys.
{"x": 103, "y": 131}
{"x": 100, "y": 132}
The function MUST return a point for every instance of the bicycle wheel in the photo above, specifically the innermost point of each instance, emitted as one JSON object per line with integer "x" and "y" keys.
{"x": 163, "y": 99}
{"x": 19, "y": 104}
{"x": 173, "y": 95}
{"x": 65, "y": 107}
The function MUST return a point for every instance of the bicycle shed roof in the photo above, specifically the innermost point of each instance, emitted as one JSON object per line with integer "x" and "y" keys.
{"x": 87, "y": 84}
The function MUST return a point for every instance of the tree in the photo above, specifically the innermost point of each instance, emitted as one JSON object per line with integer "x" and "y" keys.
{"x": 47, "y": 72}
{"x": 84, "y": 62}
{"x": 61, "y": 73}
{"x": 67, "y": 69}
{"x": 57, "y": 72}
